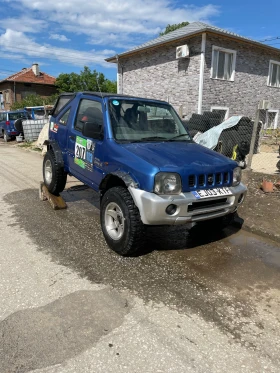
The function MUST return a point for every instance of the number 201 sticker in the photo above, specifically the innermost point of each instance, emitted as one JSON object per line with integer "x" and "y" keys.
{"x": 80, "y": 148}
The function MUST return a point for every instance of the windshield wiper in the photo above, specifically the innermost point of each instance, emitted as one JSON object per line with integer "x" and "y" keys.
{"x": 153, "y": 138}
{"x": 176, "y": 137}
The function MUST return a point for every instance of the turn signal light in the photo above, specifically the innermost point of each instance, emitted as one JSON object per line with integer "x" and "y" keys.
{"x": 7, "y": 122}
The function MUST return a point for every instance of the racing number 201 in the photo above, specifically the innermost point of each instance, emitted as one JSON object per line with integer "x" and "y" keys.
{"x": 80, "y": 151}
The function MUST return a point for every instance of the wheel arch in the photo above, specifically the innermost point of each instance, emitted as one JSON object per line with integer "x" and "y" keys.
{"x": 118, "y": 178}
{"x": 53, "y": 145}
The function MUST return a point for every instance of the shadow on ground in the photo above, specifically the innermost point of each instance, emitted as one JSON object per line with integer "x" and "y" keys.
{"x": 37, "y": 338}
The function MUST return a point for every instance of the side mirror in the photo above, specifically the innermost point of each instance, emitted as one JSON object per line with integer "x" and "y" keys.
{"x": 92, "y": 130}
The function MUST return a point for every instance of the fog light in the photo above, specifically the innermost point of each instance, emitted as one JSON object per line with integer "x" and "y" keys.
{"x": 240, "y": 199}
{"x": 171, "y": 209}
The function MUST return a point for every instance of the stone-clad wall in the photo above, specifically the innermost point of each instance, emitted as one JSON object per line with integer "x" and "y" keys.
{"x": 158, "y": 74}
{"x": 250, "y": 82}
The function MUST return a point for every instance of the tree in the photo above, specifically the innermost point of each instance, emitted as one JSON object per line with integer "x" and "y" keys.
{"x": 34, "y": 100}
{"x": 87, "y": 80}
{"x": 170, "y": 28}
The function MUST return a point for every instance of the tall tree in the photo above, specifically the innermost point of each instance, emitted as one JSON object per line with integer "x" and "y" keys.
{"x": 87, "y": 80}
{"x": 175, "y": 26}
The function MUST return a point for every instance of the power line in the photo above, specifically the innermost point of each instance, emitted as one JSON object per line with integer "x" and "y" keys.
{"x": 270, "y": 39}
{"x": 274, "y": 43}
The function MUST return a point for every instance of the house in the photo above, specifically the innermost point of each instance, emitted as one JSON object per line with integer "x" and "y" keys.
{"x": 200, "y": 68}
{"x": 26, "y": 82}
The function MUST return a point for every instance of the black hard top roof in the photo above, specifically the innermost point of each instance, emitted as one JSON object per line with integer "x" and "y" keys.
{"x": 106, "y": 94}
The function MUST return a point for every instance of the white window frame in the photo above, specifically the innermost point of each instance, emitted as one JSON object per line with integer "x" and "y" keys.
{"x": 221, "y": 108}
{"x": 270, "y": 72}
{"x": 230, "y": 51}
{"x": 276, "y": 118}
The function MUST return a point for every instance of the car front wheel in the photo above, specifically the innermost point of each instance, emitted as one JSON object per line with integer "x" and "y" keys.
{"x": 121, "y": 224}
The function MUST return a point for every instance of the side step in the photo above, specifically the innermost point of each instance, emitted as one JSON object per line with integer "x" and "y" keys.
{"x": 56, "y": 202}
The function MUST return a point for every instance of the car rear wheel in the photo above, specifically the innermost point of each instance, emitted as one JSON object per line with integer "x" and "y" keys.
{"x": 121, "y": 223}
{"x": 6, "y": 136}
{"x": 54, "y": 175}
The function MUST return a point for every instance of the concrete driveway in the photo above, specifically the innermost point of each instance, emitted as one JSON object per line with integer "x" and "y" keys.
{"x": 206, "y": 303}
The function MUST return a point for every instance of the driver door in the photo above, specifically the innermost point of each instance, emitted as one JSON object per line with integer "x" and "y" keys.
{"x": 85, "y": 157}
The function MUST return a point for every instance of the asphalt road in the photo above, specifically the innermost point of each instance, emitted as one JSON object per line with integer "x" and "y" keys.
{"x": 203, "y": 302}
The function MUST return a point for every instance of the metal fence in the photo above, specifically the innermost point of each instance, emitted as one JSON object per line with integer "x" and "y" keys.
{"x": 253, "y": 143}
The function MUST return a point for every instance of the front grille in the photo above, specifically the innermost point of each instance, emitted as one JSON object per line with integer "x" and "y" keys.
{"x": 201, "y": 180}
{"x": 206, "y": 204}
{"x": 218, "y": 178}
{"x": 191, "y": 181}
{"x": 210, "y": 180}
{"x": 226, "y": 177}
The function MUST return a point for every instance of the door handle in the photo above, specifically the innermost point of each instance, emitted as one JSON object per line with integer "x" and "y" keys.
{"x": 72, "y": 138}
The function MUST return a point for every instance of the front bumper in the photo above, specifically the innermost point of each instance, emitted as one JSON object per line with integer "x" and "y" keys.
{"x": 152, "y": 207}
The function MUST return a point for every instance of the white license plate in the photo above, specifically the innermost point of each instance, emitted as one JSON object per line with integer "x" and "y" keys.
{"x": 215, "y": 192}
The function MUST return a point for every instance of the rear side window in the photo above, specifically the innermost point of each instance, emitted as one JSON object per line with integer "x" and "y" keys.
{"x": 19, "y": 115}
{"x": 62, "y": 101}
{"x": 64, "y": 118}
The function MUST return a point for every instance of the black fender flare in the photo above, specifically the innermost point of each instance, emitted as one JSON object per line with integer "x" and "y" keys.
{"x": 126, "y": 178}
{"x": 53, "y": 145}
{"x": 123, "y": 176}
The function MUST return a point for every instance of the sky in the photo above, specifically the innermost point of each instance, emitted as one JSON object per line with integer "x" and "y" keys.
{"x": 63, "y": 36}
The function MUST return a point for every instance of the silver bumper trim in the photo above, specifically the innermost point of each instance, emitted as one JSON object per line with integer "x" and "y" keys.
{"x": 152, "y": 207}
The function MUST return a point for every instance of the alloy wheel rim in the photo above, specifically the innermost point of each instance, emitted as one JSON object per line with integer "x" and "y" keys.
{"x": 48, "y": 171}
{"x": 114, "y": 221}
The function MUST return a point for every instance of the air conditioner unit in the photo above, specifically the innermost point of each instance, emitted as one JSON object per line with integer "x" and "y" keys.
{"x": 182, "y": 51}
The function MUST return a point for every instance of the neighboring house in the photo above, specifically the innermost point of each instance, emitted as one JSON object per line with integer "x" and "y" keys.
{"x": 27, "y": 81}
{"x": 223, "y": 71}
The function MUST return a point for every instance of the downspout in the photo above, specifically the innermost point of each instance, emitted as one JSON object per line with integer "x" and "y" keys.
{"x": 201, "y": 74}
{"x": 14, "y": 91}
{"x": 119, "y": 82}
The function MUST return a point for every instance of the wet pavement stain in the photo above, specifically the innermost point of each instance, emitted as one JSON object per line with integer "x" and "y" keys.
{"x": 215, "y": 275}
{"x": 40, "y": 337}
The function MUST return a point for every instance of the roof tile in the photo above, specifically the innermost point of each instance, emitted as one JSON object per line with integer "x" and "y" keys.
{"x": 27, "y": 76}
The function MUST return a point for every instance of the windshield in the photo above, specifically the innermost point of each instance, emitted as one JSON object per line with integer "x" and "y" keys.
{"x": 141, "y": 121}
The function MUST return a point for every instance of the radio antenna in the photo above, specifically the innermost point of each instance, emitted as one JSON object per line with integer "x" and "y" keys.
{"x": 97, "y": 80}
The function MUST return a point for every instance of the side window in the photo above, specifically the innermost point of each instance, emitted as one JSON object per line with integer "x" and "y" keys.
{"x": 223, "y": 63}
{"x": 274, "y": 74}
{"x": 89, "y": 111}
{"x": 64, "y": 118}
{"x": 2, "y": 116}
{"x": 62, "y": 101}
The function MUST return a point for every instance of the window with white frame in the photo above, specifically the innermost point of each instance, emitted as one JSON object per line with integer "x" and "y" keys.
{"x": 274, "y": 74}
{"x": 223, "y": 111}
{"x": 223, "y": 63}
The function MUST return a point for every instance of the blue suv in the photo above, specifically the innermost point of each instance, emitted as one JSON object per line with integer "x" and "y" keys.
{"x": 11, "y": 123}
{"x": 147, "y": 169}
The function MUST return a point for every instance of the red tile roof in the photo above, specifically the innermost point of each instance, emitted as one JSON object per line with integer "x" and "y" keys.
{"x": 27, "y": 75}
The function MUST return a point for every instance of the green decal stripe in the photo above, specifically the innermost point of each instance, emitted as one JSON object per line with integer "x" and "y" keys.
{"x": 81, "y": 141}
{"x": 80, "y": 162}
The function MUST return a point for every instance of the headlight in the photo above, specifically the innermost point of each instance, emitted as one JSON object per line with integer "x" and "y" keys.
{"x": 237, "y": 173}
{"x": 167, "y": 183}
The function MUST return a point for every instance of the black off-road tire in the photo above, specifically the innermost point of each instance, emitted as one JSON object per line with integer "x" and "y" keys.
{"x": 133, "y": 237}
{"x": 6, "y": 136}
{"x": 56, "y": 181}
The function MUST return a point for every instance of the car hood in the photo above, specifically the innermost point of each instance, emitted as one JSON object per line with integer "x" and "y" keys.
{"x": 169, "y": 156}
